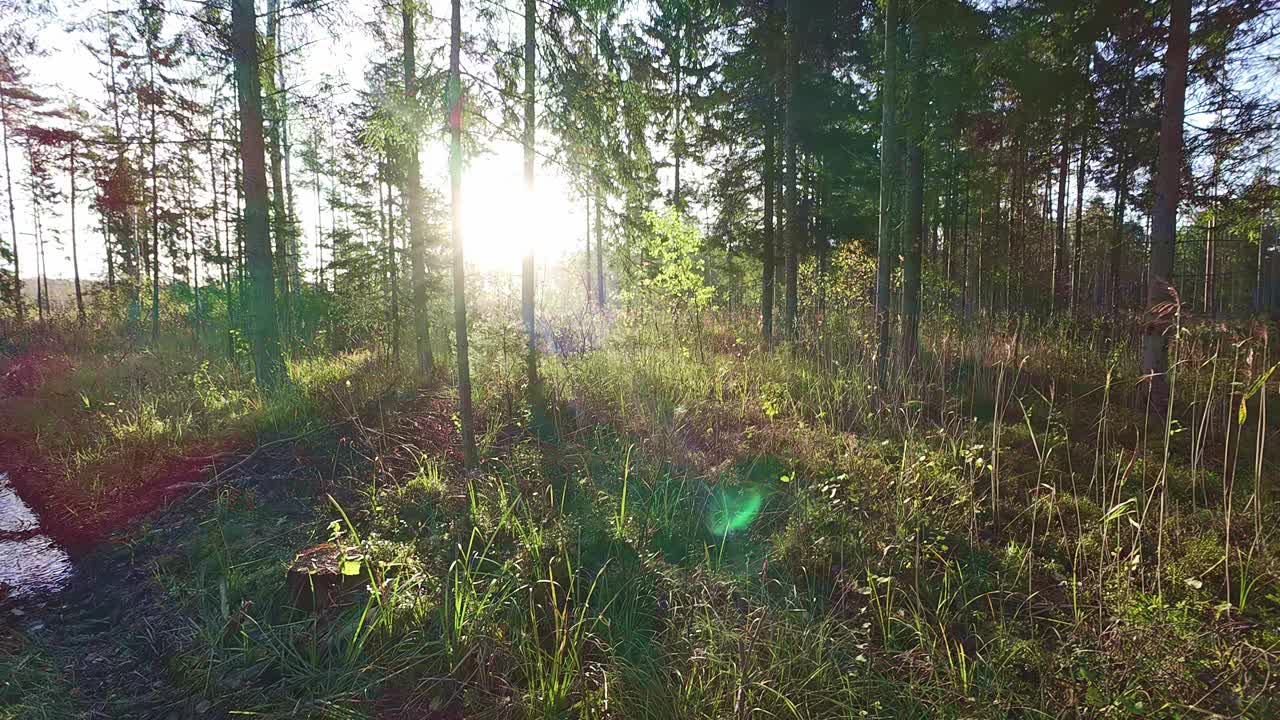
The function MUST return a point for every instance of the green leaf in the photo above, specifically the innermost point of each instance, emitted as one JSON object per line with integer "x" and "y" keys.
{"x": 350, "y": 566}
{"x": 1119, "y": 511}
{"x": 1253, "y": 390}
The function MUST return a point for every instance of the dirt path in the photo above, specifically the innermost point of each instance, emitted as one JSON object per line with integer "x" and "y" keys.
{"x": 114, "y": 632}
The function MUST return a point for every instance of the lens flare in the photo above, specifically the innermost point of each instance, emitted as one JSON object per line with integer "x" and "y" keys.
{"x": 733, "y": 509}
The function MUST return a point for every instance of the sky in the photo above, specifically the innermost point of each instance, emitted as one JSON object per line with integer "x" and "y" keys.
{"x": 500, "y": 219}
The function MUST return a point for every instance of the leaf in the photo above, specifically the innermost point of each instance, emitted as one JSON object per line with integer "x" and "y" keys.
{"x": 1253, "y": 390}
{"x": 349, "y": 566}
{"x": 1118, "y": 511}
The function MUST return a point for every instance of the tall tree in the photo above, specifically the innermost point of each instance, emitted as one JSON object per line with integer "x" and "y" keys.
{"x": 888, "y": 164}
{"x": 1155, "y": 344}
{"x": 790, "y": 181}
{"x": 75, "y": 252}
{"x": 599, "y": 247}
{"x": 527, "y": 266}
{"x": 457, "y": 108}
{"x": 17, "y": 101}
{"x": 281, "y": 227}
{"x": 413, "y": 197}
{"x": 915, "y": 191}
{"x": 264, "y": 334}
{"x": 767, "y": 237}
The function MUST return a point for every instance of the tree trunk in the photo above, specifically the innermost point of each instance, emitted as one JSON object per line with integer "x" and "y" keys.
{"x": 915, "y": 196}
{"x": 768, "y": 271}
{"x": 1155, "y": 349}
{"x": 195, "y": 262}
{"x": 527, "y": 265}
{"x": 587, "y": 256}
{"x": 1076, "y": 248}
{"x": 1209, "y": 306}
{"x": 108, "y": 254}
{"x": 1061, "y": 260}
{"x": 393, "y": 270}
{"x": 599, "y": 248}
{"x": 75, "y": 255}
{"x": 413, "y": 198}
{"x": 790, "y": 173}
{"x": 42, "y": 286}
{"x": 966, "y": 287}
{"x": 677, "y": 136}
{"x": 155, "y": 209}
{"x": 457, "y": 103}
{"x": 279, "y": 217}
{"x": 268, "y": 363}
{"x": 888, "y": 164}
{"x": 18, "y": 309}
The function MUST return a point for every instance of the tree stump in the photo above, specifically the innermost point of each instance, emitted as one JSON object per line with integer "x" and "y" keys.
{"x": 321, "y": 575}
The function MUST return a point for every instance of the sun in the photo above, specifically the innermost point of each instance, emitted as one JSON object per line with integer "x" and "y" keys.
{"x": 502, "y": 220}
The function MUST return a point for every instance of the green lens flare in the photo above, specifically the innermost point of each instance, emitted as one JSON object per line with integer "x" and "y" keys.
{"x": 732, "y": 509}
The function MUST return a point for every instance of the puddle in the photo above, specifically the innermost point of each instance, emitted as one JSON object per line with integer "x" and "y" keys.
{"x": 30, "y": 561}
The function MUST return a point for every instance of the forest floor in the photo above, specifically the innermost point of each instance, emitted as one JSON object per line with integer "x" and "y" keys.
{"x": 684, "y": 527}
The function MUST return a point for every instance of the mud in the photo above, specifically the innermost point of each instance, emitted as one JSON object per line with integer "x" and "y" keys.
{"x": 112, "y": 628}
{"x": 30, "y": 561}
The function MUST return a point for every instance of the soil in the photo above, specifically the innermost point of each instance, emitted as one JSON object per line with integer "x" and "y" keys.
{"x": 112, "y": 627}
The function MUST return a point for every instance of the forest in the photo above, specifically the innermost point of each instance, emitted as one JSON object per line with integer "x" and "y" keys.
{"x": 706, "y": 359}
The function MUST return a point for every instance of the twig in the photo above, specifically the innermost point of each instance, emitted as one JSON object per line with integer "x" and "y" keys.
{"x": 223, "y": 473}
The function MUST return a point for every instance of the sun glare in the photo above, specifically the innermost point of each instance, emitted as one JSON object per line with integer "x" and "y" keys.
{"x": 502, "y": 220}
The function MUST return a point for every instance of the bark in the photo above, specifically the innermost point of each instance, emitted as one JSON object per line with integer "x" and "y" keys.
{"x": 599, "y": 248}
{"x": 888, "y": 163}
{"x": 768, "y": 271}
{"x": 966, "y": 287}
{"x": 587, "y": 215}
{"x": 120, "y": 231}
{"x": 1076, "y": 249}
{"x": 18, "y": 309}
{"x": 413, "y": 198}
{"x": 110, "y": 256}
{"x": 1061, "y": 259}
{"x": 527, "y": 266}
{"x": 42, "y": 287}
{"x": 268, "y": 363}
{"x": 75, "y": 255}
{"x": 195, "y": 262}
{"x": 915, "y": 197}
{"x": 677, "y": 137}
{"x": 457, "y": 101}
{"x": 155, "y": 207}
{"x": 393, "y": 270}
{"x": 279, "y": 217}
{"x": 1155, "y": 349}
{"x": 1210, "y": 247}
{"x": 791, "y": 174}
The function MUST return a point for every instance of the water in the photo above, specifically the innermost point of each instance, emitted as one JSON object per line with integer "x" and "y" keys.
{"x": 30, "y": 561}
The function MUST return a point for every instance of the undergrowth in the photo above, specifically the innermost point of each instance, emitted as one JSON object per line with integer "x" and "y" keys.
{"x": 690, "y": 527}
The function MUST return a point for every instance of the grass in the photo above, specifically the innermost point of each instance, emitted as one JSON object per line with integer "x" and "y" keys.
{"x": 111, "y": 423}
{"x": 31, "y": 685}
{"x": 713, "y": 531}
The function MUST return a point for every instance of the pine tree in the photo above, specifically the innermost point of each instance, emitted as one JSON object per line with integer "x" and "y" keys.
{"x": 456, "y": 98}
{"x": 264, "y": 335}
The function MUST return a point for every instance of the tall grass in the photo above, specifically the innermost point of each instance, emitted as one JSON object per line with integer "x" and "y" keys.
{"x": 1004, "y": 530}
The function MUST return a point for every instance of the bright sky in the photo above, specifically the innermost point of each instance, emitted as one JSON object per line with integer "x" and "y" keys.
{"x": 498, "y": 215}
